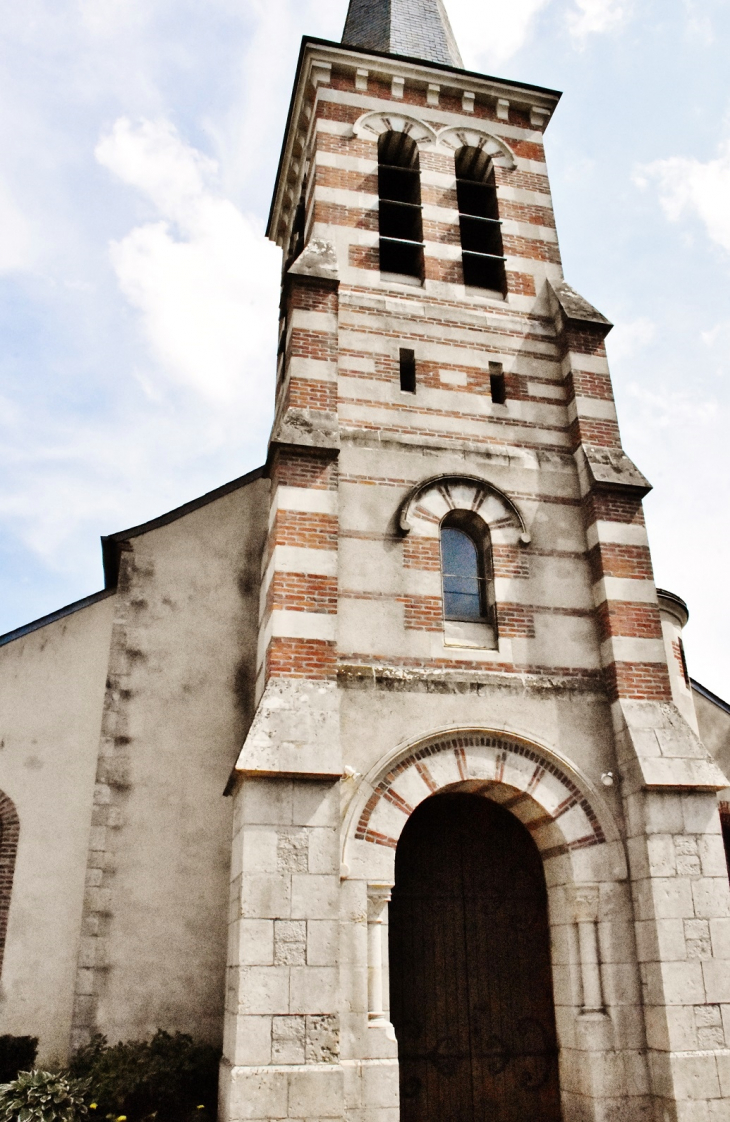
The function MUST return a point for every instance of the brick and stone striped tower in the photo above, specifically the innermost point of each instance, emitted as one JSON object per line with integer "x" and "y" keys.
{"x": 439, "y": 384}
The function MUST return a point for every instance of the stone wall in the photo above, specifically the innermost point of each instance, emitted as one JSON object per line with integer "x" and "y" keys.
{"x": 121, "y": 723}
{"x": 178, "y": 700}
{"x": 51, "y": 695}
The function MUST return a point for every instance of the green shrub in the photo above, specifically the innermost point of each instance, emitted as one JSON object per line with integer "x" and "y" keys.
{"x": 168, "y": 1078}
{"x": 43, "y": 1096}
{"x": 17, "y": 1053}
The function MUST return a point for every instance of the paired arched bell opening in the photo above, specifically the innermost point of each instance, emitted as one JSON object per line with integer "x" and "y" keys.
{"x": 476, "y": 154}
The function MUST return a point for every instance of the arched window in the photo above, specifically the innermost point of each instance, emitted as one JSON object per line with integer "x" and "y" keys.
{"x": 400, "y": 220}
{"x": 466, "y": 569}
{"x": 479, "y": 223}
{"x": 9, "y": 830}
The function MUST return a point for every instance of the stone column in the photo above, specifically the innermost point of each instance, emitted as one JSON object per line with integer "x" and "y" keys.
{"x": 603, "y": 1068}
{"x": 378, "y": 897}
{"x": 586, "y": 901}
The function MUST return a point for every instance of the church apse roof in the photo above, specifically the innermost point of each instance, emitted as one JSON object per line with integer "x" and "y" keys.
{"x": 411, "y": 28}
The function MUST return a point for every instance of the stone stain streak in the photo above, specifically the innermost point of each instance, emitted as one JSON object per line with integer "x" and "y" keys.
{"x": 113, "y": 781}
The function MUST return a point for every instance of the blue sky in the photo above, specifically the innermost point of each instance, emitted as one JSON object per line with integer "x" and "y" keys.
{"x": 138, "y": 295}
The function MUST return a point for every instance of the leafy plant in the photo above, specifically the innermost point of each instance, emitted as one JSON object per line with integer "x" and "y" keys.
{"x": 169, "y": 1078}
{"x": 17, "y": 1053}
{"x": 43, "y": 1096}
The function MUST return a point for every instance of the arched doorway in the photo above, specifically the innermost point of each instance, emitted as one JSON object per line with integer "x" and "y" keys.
{"x": 470, "y": 977}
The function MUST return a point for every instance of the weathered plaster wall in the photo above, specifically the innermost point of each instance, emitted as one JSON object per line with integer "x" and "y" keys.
{"x": 176, "y": 711}
{"x": 51, "y": 696}
{"x": 714, "y": 725}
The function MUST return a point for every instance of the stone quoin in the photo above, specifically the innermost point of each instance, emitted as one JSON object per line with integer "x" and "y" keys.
{"x": 381, "y": 766}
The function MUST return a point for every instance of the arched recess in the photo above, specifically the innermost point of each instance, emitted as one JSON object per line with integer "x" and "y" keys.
{"x": 579, "y": 845}
{"x": 426, "y": 504}
{"x": 372, "y": 125}
{"x": 548, "y": 797}
{"x": 9, "y": 833}
{"x": 457, "y": 137}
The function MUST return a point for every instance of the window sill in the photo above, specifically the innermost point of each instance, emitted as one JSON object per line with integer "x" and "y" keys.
{"x": 478, "y": 636}
{"x": 402, "y": 278}
{"x": 491, "y": 294}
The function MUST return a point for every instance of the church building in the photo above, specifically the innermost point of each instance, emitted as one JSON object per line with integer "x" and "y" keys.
{"x": 381, "y": 766}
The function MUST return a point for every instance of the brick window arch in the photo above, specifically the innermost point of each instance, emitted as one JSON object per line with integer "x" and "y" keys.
{"x": 9, "y": 832}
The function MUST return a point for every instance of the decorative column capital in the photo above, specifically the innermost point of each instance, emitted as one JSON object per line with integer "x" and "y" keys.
{"x": 378, "y": 896}
{"x": 584, "y": 900}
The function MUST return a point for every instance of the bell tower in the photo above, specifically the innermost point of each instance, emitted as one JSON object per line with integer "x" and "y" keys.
{"x": 457, "y": 601}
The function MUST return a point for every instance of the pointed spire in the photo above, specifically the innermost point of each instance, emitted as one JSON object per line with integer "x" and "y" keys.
{"x": 415, "y": 28}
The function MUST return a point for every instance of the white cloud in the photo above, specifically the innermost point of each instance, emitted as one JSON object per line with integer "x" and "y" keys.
{"x": 107, "y": 17}
{"x": 687, "y": 186}
{"x": 152, "y": 157}
{"x": 630, "y": 336}
{"x": 492, "y": 30}
{"x": 202, "y": 276}
{"x": 17, "y": 244}
{"x": 674, "y": 409}
{"x": 595, "y": 17}
{"x": 714, "y": 335}
{"x": 186, "y": 406}
{"x": 699, "y": 24}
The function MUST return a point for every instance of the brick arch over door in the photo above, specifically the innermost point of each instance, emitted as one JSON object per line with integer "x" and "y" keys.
{"x": 9, "y": 833}
{"x": 559, "y": 813}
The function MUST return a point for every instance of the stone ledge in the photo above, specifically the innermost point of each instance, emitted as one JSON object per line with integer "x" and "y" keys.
{"x": 295, "y": 732}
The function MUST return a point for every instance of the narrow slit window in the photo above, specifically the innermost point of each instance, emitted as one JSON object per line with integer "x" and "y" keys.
{"x": 296, "y": 239}
{"x": 407, "y": 371}
{"x": 400, "y": 217}
{"x": 497, "y": 383}
{"x": 725, "y": 820}
{"x": 281, "y": 349}
{"x": 479, "y": 222}
{"x": 466, "y": 568}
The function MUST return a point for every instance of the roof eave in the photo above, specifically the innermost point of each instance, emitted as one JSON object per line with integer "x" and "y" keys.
{"x": 112, "y": 544}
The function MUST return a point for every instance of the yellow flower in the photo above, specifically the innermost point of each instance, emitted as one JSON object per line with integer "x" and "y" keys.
{"x": 122, "y": 1118}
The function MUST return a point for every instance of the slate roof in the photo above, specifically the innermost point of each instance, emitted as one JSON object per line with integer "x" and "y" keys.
{"x": 413, "y": 28}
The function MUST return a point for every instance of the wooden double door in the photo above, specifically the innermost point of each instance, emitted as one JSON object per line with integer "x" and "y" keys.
{"x": 470, "y": 977}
